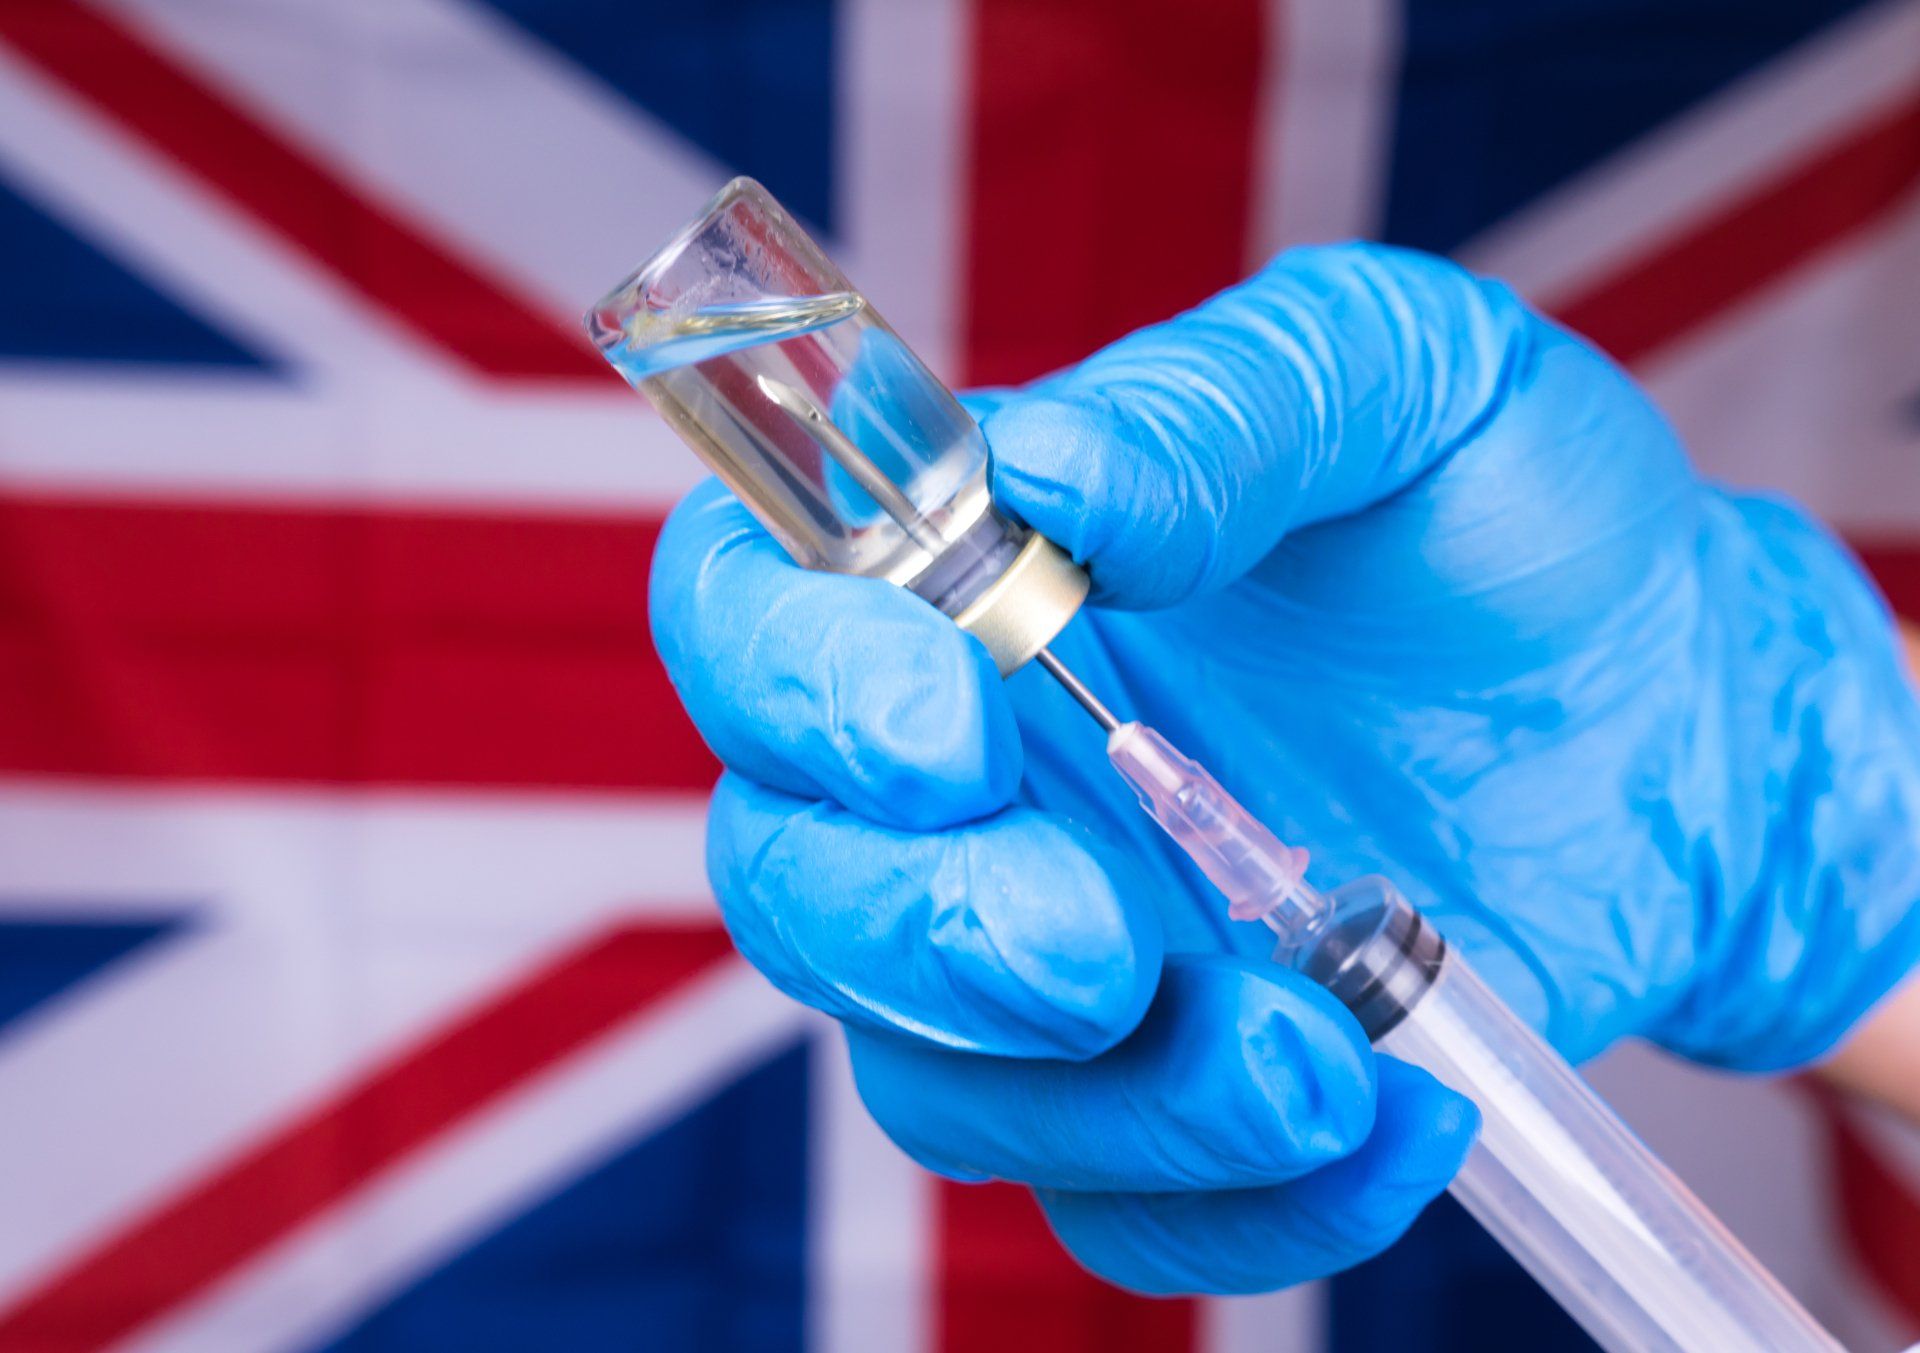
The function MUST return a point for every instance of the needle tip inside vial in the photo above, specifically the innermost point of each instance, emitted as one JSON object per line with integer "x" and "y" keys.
{"x": 788, "y": 398}
{"x": 859, "y": 466}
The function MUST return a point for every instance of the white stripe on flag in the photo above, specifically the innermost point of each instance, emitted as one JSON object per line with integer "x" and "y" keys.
{"x": 532, "y": 165}
{"x": 1325, "y": 123}
{"x": 870, "y": 1257}
{"x": 1293, "y": 1321}
{"x": 322, "y": 932}
{"x": 1690, "y": 166}
{"x": 408, "y": 444}
{"x": 493, "y": 1166}
{"x": 1812, "y": 386}
{"x": 504, "y": 145}
{"x": 134, "y": 203}
{"x": 901, "y": 153}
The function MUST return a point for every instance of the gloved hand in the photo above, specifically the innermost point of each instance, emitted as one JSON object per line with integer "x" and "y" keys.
{"x": 1429, "y": 585}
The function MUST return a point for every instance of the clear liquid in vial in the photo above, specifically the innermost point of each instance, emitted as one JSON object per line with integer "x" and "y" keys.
{"x": 646, "y": 341}
{"x": 700, "y": 366}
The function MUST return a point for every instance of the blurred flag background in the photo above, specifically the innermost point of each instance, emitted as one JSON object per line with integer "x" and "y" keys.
{"x": 359, "y": 989}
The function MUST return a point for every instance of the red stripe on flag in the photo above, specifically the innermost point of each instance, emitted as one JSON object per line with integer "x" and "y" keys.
{"x": 1112, "y": 157}
{"x": 367, "y": 246}
{"x": 315, "y": 1161}
{"x": 1895, "y": 565}
{"x": 1007, "y": 1284}
{"x": 1113, "y": 154}
{"x": 1694, "y": 276}
{"x": 249, "y": 643}
{"x": 1879, "y": 1213}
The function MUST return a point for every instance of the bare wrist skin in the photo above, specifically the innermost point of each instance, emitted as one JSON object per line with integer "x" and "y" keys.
{"x": 1881, "y": 1059}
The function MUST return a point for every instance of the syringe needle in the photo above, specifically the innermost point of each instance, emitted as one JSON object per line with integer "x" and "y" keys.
{"x": 859, "y": 467}
{"x": 1077, "y": 689}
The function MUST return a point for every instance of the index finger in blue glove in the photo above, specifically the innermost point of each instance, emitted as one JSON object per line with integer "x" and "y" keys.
{"x": 850, "y": 689}
{"x": 1173, "y": 461}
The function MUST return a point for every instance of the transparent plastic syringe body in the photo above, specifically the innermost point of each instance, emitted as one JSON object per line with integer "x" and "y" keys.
{"x": 1554, "y": 1175}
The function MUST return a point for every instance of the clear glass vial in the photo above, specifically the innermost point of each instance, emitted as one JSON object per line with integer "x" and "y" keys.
{"x": 782, "y": 377}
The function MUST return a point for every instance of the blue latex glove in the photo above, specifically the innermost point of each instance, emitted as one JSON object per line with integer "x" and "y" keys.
{"x": 1429, "y": 585}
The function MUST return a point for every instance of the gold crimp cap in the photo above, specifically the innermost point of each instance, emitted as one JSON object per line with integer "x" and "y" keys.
{"x": 1021, "y": 610}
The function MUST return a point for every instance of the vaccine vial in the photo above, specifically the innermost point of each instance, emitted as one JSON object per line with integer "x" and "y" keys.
{"x": 784, "y": 379}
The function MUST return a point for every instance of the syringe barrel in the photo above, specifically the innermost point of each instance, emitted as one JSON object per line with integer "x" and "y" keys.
{"x": 1560, "y": 1181}
{"x": 763, "y": 357}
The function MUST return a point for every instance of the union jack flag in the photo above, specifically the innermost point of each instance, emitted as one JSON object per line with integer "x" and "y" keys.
{"x": 359, "y": 989}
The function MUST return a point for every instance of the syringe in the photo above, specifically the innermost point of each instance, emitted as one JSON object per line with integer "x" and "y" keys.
{"x": 1554, "y": 1175}
{"x": 758, "y": 351}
